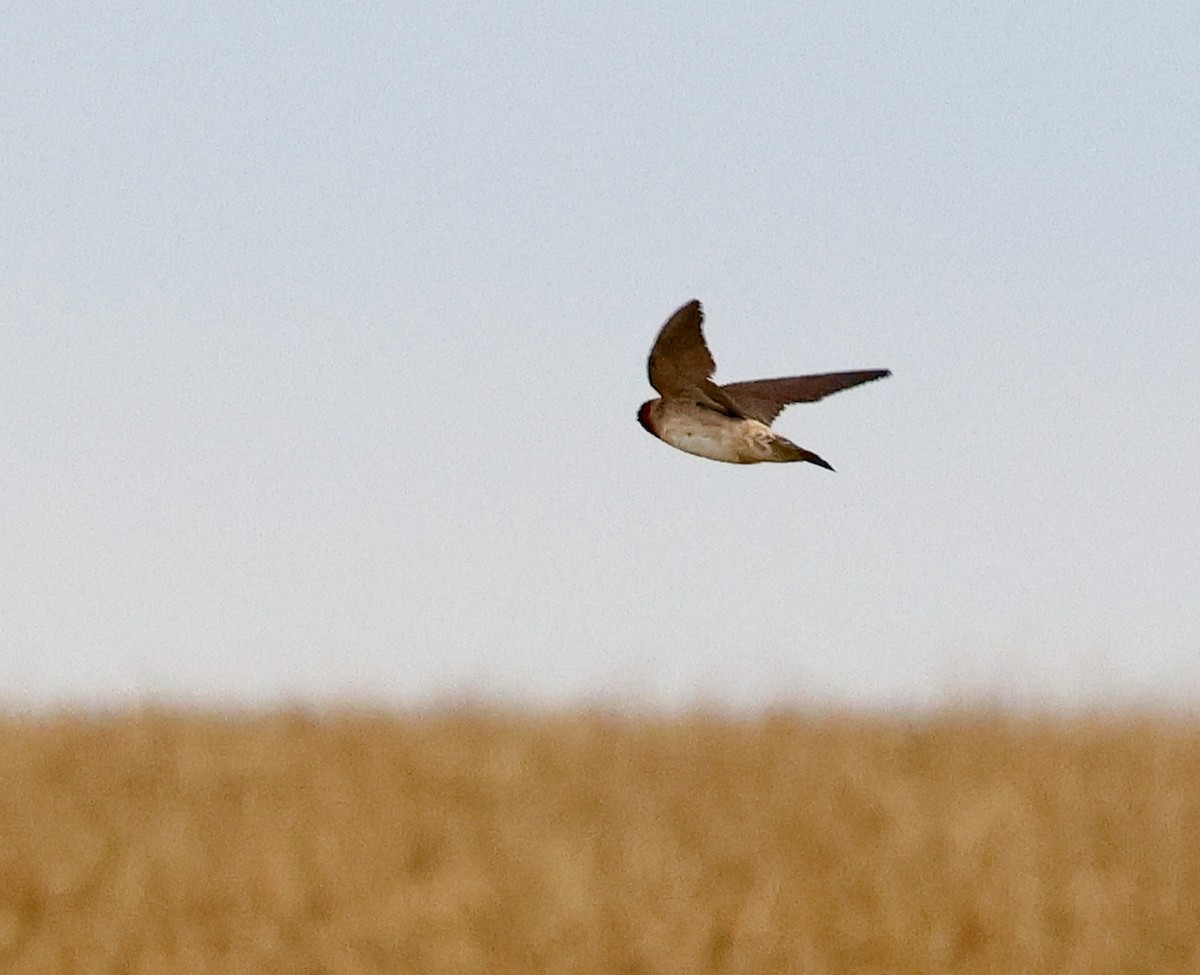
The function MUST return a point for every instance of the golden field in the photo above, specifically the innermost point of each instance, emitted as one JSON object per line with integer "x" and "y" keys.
{"x": 463, "y": 842}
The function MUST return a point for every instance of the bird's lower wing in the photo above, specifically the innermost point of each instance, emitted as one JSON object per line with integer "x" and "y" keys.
{"x": 763, "y": 399}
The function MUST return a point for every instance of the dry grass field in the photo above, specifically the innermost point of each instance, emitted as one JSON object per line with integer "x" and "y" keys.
{"x": 497, "y": 843}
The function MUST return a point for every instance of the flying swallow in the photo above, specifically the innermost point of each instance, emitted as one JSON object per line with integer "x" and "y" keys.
{"x": 729, "y": 423}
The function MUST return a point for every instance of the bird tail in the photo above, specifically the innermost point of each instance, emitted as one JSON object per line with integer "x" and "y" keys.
{"x": 785, "y": 451}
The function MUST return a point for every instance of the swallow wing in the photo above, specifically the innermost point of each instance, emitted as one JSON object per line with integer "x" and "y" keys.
{"x": 679, "y": 359}
{"x": 764, "y": 399}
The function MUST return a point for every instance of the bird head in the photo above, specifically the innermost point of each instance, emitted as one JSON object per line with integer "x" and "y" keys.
{"x": 644, "y": 416}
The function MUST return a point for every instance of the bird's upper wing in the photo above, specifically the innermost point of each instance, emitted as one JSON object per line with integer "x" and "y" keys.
{"x": 764, "y": 399}
{"x": 680, "y": 363}
{"x": 679, "y": 359}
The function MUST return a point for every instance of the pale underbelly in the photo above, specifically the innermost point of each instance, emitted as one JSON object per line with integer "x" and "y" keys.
{"x": 718, "y": 445}
{"x": 710, "y": 447}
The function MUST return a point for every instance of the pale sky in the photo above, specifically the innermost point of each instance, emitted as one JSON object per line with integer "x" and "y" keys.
{"x": 323, "y": 329}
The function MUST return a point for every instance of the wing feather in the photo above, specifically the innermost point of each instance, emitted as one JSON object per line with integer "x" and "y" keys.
{"x": 679, "y": 359}
{"x": 764, "y": 399}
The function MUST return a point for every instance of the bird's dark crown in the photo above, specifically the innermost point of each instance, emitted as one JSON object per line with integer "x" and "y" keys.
{"x": 644, "y": 416}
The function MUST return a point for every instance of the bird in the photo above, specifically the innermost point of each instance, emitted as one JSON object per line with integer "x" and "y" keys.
{"x": 730, "y": 423}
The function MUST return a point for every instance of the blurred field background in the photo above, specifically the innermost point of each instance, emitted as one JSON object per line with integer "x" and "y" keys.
{"x": 483, "y": 841}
